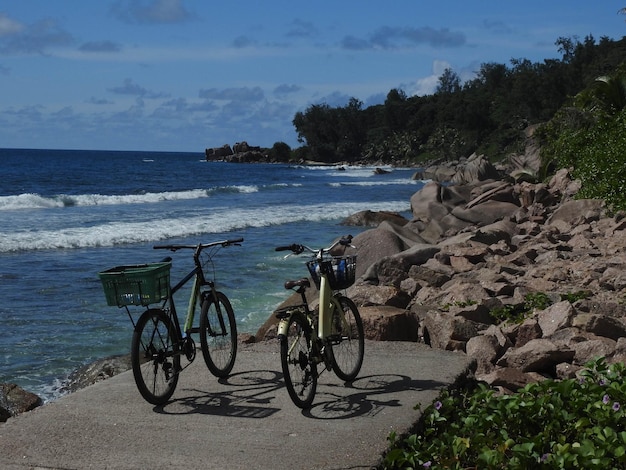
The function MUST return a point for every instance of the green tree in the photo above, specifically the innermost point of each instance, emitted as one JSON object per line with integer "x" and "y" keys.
{"x": 487, "y": 114}
{"x": 352, "y": 132}
{"x": 448, "y": 82}
{"x": 396, "y": 110}
{"x": 333, "y": 134}
{"x": 318, "y": 126}
{"x": 280, "y": 152}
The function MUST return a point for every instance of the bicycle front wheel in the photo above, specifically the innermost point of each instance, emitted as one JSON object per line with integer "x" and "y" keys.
{"x": 347, "y": 340}
{"x": 299, "y": 371}
{"x": 155, "y": 356}
{"x": 218, "y": 334}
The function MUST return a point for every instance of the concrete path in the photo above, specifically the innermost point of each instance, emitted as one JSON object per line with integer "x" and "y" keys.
{"x": 244, "y": 422}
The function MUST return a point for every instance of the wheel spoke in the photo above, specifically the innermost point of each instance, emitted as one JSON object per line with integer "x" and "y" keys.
{"x": 299, "y": 371}
{"x": 156, "y": 376}
{"x": 218, "y": 334}
{"x": 347, "y": 340}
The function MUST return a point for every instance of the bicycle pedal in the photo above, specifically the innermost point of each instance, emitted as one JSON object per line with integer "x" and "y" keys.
{"x": 335, "y": 339}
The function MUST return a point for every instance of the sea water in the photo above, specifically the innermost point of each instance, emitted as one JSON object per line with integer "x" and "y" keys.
{"x": 66, "y": 215}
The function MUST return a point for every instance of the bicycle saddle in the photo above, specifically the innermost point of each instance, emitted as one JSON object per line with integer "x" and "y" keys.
{"x": 304, "y": 282}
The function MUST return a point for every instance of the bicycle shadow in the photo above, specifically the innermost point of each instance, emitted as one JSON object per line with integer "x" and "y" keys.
{"x": 250, "y": 394}
{"x": 365, "y": 396}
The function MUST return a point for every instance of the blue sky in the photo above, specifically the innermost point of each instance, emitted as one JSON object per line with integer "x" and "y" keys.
{"x": 182, "y": 75}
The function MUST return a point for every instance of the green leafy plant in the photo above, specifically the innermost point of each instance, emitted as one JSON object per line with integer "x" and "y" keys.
{"x": 506, "y": 313}
{"x": 458, "y": 303}
{"x": 572, "y": 297}
{"x": 517, "y": 314}
{"x": 574, "y": 423}
{"x": 536, "y": 300}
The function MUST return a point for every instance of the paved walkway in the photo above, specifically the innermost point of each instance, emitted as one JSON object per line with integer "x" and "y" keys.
{"x": 244, "y": 422}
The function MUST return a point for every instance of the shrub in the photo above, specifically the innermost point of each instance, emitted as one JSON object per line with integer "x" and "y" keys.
{"x": 575, "y": 423}
{"x": 589, "y": 138}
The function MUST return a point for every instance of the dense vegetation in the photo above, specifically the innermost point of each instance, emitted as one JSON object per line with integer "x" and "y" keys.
{"x": 576, "y": 423}
{"x": 487, "y": 114}
{"x": 588, "y": 136}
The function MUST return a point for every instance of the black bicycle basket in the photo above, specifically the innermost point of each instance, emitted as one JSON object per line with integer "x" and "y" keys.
{"x": 340, "y": 271}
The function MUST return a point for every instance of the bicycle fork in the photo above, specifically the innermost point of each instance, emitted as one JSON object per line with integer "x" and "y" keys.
{"x": 211, "y": 295}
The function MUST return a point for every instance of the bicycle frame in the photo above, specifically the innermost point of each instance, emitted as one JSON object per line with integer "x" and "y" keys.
{"x": 199, "y": 282}
{"x": 328, "y": 304}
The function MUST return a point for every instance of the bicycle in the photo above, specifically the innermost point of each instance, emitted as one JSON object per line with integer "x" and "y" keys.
{"x": 333, "y": 337}
{"x": 158, "y": 340}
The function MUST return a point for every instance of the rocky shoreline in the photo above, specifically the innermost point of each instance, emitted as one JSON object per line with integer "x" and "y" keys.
{"x": 520, "y": 276}
{"x": 466, "y": 273}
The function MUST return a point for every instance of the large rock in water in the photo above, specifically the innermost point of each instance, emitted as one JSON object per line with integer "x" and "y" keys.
{"x": 465, "y": 171}
{"x": 218, "y": 153}
{"x": 373, "y": 219}
{"x": 97, "y": 371}
{"x": 15, "y": 400}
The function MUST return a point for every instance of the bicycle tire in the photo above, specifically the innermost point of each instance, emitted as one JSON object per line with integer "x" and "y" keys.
{"x": 347, "y": 340}
{"x": 299, "y": 372}
{"x": 155, "y": 356}
{"x": 218, "y": 334}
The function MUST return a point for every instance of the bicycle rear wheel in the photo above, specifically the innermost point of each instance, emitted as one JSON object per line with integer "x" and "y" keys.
{"x": 218, "y": 334}
{"x": 347, "y": 340}
{"x": 299, "y": 371}
{"x": 155, "y": 357}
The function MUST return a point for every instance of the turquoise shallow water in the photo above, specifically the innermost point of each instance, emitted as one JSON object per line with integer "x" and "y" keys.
{"x": 66, "y": 215}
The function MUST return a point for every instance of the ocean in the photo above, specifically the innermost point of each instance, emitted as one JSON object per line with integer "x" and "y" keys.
{"x": 66, "y": 215}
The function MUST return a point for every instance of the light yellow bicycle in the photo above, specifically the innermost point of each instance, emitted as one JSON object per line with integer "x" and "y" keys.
{"x": 332, "y": 335}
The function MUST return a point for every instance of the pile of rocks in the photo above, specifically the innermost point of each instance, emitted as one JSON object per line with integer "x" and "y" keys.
{"x": 476, "y": 253}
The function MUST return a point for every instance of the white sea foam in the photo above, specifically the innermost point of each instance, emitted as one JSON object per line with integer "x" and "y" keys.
{"x": 28, "y": 201}
{"x": 349, "y": 171}
{"x": 35, "y": 201}
{"x": 378, "y": 182}
{"x": 217, "y": 221}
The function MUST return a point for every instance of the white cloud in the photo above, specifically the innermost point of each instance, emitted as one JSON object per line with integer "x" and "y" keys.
{"x": 8, "y": 26}
{"x": 151, "y": 12}
{"x": 427, "y": 85}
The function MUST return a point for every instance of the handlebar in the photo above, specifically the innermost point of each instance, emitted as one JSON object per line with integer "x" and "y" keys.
{"x": 294, "y": 247}
{"x": 297, "y": 248}
{"x": 200, "y": 246}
